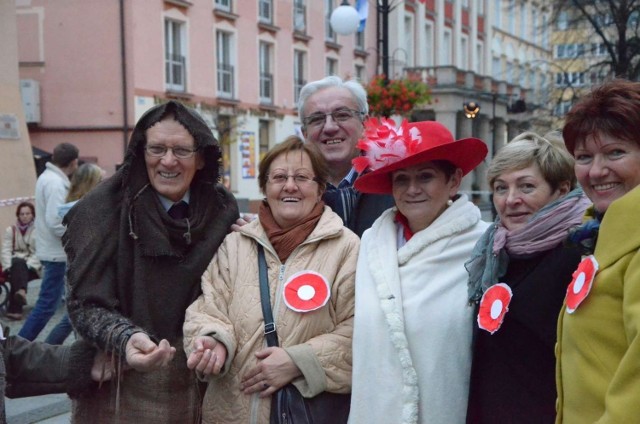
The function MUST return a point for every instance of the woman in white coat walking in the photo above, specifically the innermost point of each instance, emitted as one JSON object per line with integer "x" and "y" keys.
{"x": 412, "y": 338}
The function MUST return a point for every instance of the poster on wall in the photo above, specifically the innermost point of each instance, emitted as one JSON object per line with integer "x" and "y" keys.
{"x": 248, "y": 154}
{"x": 9, "y": 127}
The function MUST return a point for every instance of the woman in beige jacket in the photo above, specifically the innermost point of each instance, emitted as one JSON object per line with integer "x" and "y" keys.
{"x": 307, "y": 249}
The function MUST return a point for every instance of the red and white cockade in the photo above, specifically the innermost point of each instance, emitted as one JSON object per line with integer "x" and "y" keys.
{"x": 493, "y": 307}
{"x": 580, "y": 286}
{"x": 306, "y": 291}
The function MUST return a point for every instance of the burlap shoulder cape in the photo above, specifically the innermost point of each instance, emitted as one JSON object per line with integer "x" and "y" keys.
{"x": 130, "y": 266}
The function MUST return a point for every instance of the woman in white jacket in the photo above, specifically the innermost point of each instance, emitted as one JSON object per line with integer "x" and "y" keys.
{"x": 19, "y": 260}
{"x": 412, "y": 334}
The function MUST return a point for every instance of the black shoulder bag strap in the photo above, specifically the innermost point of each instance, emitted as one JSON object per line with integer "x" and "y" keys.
{"x": 265, "y": 299}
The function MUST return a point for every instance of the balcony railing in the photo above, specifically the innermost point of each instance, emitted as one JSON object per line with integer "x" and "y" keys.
{"x": 266, "y": 88}
{"x": 175, "y": 72}
{"x": 225, "y": 80}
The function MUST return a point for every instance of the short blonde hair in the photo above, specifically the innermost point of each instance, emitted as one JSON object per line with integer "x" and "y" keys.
{"x": 548, "y": 153}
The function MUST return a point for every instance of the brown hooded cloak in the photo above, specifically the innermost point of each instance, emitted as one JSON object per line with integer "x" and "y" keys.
{"x": 131, "y": 267}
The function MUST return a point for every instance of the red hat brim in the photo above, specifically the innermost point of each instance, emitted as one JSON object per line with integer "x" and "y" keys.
{"x": 466, "y": 154}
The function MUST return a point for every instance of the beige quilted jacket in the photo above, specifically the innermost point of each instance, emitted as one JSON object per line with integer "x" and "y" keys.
{"x": 319, "y": 342}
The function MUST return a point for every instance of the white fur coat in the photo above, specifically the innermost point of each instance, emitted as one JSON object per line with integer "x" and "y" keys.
{"x": 413, "y": 325}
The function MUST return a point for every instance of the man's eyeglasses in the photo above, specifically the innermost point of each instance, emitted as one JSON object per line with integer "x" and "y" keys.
{"x": 280, "y": 178}
{"x": 317, "y": 120}
{"x": 159, "y": 150}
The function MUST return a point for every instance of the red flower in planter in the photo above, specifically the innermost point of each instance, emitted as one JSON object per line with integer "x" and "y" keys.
{"x": 306, "y": 291}
{"x": 580, "y": 286}
{"x": 493, "y": 307}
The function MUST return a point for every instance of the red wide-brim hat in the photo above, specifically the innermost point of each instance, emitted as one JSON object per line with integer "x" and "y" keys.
{"x": 387, "y": 149}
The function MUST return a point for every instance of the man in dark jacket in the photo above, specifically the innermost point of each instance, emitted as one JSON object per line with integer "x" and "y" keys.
{"x": 332, "y": 112}
{"x": 137, "y": 246}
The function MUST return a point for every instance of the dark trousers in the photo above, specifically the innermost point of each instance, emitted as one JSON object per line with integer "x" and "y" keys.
{"x": 19, "y": 277}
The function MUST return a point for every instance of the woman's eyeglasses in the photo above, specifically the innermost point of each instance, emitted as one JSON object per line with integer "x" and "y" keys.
{"x": 281, "y": 178}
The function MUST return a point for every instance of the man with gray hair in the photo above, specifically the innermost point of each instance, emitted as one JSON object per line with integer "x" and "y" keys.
{"x": 332, "y": 112}
{"x": 52, "y": 187}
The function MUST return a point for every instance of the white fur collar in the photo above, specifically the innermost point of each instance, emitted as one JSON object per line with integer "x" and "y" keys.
{"x": 456, "y": 218}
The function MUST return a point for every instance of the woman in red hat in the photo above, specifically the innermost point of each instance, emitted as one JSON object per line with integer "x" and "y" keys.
{"x": 412, "y": 338}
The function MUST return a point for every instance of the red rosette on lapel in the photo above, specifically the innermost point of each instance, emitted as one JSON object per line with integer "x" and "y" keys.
{"x": 493, "y": 307}
{"x": 306, "y": 291}
{"x": 581, "y": 283}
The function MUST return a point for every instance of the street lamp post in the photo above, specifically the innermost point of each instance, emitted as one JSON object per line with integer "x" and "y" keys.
{"x": 383, "y": 10}
{"x": 341, "y": 19}
{"x": 472, "y": 109}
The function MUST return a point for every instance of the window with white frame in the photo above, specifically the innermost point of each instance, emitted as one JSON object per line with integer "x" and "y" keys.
{"x": 478, "y": 66}
{"x": 264, "y": 137}
{"x": 224, "y": 64}
{"x": 570, "y": 79}
{"x": 531, "y": 80}
{"x": 360, "y": 72}
{"x": 332, "y": 67}
{"x": 512, "y": 16}
{"x": 359, "y": 36}
{"x": 522, "y": 76}
{"x": 496, "y": 68}
{"x": 509, "y": 72}
{"x": 299, "y": 72}
{"x": 523, "y": 21}
{"x": 562, "y": 108}
{"x": 497, "y": 13}
{"x": 175, "y": 60}
{"x": 429, "y": 47}
{"x": 300, "y": 16}
{"x": 563, "y": 21}
{"x": 265, "y": 11}
{"x": 445, "y": 52}
{"x": 534, "y": 25}
{"x": 266, "y": 72}
{"x": 329, "y": 34}
{"x": 464, "y": 53}
{"x": 545, "y": 34}
{"x": 223, "y": 5}
{"x": 408, "y": 40}
{"x": 480, "y": 7}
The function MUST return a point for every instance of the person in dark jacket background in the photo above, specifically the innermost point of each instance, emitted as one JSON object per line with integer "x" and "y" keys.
{"x": 137, "y": 245}
{"x": 34, "y": 368}
{"x": 333, "y": 112}
{"x": 522, "y": 259}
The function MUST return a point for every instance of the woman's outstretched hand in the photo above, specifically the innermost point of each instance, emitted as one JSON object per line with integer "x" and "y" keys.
{"x": 208, "y": 356}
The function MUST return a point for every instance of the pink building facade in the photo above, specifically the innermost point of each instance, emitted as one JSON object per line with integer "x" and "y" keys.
{"x": 92, "y": 67}
{"x": 99, "y": 65}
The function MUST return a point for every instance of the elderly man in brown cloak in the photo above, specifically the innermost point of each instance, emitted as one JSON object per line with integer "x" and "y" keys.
{"x": 137, "y": 246}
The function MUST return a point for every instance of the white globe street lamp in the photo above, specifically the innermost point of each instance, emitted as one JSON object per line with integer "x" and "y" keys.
{"x": 344, "y": 19}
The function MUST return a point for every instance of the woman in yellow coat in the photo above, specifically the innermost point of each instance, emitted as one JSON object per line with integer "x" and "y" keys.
{"x": 598, "y": 352}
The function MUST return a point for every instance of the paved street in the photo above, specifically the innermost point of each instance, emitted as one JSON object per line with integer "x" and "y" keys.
{"x": 50, "y": 409}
